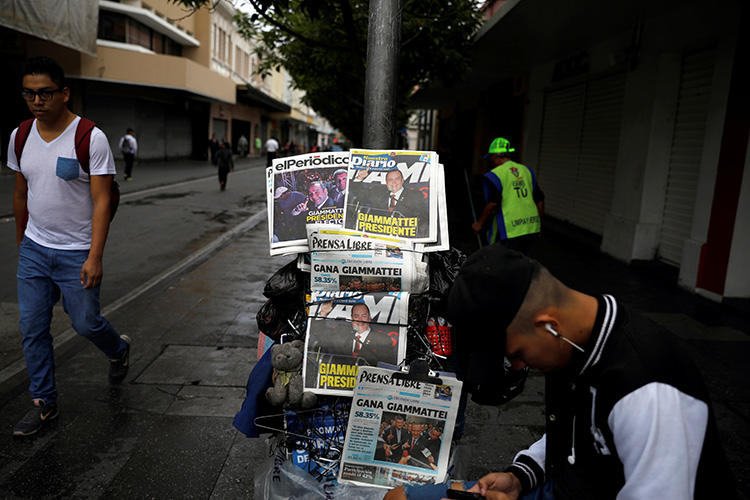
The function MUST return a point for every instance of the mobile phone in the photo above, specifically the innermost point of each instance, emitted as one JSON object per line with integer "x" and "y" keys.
{"x": 463, "y": 495}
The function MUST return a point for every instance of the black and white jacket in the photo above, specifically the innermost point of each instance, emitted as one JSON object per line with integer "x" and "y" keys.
{"x": 629, "y": 419}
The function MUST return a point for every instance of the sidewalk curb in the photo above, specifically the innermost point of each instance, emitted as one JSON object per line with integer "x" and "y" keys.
{"x": 15, "y": 373}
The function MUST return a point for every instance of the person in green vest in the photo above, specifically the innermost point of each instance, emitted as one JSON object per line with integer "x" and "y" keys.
{"x": 513, "y": 198}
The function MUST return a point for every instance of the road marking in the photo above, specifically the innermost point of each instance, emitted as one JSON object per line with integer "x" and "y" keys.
{"x": 60, "y": 340}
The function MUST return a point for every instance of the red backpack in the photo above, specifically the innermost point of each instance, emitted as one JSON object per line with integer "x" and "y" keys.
{"x": 82, "y": 142}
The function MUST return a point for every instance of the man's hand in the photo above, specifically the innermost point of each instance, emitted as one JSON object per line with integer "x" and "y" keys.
{"x": 362, "y": 174}
{"x": 477, "y": 227}
{"x": 325, "y": 309}
{"x": 498, "y": 486}
{"x": 300, "y": 208}
{"x": 91, "y": 272}
{"x": 396, "y": 494}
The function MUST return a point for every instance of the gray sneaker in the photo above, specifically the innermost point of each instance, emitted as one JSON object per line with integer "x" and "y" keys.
{"x": 118, "y": 368}
{"x": 35, "y": 418}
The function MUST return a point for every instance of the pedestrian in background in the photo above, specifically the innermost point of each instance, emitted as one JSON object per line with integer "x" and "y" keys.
{"x": 225, "y": 163}
{"x": 213, "y": 147}
{"x": 62, "y": 218}
{"x": 242, "y": 146}
{"x": 513, "y": 198}
{"x": 129, "y": 148}
{"x": 272, "y": 148}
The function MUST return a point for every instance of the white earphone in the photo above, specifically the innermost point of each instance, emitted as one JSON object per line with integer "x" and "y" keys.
{"x": 548, "y": 327}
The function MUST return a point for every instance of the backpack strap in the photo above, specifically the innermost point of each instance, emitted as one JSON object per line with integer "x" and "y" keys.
{"x": 83, "y": 141}
{"x": 24, "y": 129}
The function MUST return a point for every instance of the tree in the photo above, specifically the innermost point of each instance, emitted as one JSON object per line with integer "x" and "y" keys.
{"x": 323, "y": 46}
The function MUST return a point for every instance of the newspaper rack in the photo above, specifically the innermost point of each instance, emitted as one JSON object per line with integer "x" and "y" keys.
{"x": 419, "y": 370}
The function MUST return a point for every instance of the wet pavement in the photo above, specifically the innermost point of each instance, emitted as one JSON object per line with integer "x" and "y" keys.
{"x": 166, "y": 432}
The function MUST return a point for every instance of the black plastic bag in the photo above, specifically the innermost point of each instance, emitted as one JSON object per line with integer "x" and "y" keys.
{"x": 269, "y": 320}
{"x": 274, "y": 319}
{"x": 444, "y": 267}
{"x": 288, "y": 284}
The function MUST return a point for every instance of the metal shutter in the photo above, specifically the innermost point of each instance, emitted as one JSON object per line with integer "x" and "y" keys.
{"x": 580, "y": 137}
{"x": 558, "y": 155}
{"x": 597, "y": 158}
{"x": 685, "y": 155}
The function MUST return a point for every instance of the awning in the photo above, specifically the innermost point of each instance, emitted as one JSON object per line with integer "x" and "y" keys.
{"x": 251, "y": 96}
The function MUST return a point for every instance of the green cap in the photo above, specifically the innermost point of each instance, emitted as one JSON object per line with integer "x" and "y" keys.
{"x": 499, "y": 146}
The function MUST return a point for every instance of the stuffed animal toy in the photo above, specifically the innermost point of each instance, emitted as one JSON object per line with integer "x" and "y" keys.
{"x": 287, "y": 391}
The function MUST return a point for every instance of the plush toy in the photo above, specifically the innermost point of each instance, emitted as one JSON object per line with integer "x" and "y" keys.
{"x": 287, "y": 391}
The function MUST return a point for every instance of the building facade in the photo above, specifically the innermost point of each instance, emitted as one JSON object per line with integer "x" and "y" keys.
{"x": 176, "y": 77}
{"x": 632, "y": 115}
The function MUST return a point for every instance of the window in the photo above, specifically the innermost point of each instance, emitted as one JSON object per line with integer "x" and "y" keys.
{"x": 120, "y": 28}
{"x": 112, "y": 26}
{"x": 138, "y": 34}
{"x": 222, "y": 44}
{"x": 172, "y": 48}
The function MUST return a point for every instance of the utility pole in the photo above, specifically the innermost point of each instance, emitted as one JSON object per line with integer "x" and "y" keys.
{"x": 383, "y": 43}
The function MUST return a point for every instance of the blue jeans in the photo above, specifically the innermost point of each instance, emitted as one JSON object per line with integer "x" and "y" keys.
{"x": 43, "y": 273}
{"x": 437, "y": 491}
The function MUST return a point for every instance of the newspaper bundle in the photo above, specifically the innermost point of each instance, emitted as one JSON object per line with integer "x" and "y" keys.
{"x": 443, "y": 241}
{"x": 399, "y": 430}
{"x": 301, "y": 190}
{"x": 346, "y": 260}
{"x": 348, "y": 330}
{"x": 393, "y": 193}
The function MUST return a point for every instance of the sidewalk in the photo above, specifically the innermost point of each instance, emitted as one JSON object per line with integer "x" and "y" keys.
{"x": 166, "y": 432}
{"x": 147, "y": 176}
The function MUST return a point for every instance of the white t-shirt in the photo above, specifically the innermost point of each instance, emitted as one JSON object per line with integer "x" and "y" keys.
{"x": 272, "y": 145}
{"x": 128, "y": 144}
{"x": 59, "y": 196}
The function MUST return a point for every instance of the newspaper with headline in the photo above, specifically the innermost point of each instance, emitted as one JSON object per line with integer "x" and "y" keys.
{"x": 393, "y": 193}
{"x": 348, "y": 330}
{"x": 346, "y": 260}
{"x": 399, "y": 430}
{"x": 301, "y": 190}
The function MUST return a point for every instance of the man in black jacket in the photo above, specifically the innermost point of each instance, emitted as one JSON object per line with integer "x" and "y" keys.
{"x": 627, "y": 414}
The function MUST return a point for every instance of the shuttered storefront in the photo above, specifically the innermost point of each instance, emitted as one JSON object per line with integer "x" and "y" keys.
{"x": 578, "y": 150}
{"x": 685, "y": 154}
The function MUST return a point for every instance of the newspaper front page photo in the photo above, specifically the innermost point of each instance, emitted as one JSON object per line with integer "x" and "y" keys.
{"x": 400, "y": 430}
{"x": 348, "y": 330}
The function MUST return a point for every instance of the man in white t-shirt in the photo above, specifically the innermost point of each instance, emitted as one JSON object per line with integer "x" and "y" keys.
{"x": 129, "y": 148}
{"x": 272, "y": 148}
{"x": 61, "y": 244}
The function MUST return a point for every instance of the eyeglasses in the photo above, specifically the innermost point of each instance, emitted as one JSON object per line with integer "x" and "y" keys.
{"x": 44, "y": 94}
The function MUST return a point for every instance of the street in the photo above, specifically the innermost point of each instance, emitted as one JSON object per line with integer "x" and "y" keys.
{"x": 166, "y": 432}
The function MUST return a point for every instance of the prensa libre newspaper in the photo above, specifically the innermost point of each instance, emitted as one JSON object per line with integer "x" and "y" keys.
{"x": 346, "y": 260}
{"x": 348, "y": 330}
{"x": 399, "y": 431}
{"x": 393, "y": 193}
{"x": 301, "y": 190}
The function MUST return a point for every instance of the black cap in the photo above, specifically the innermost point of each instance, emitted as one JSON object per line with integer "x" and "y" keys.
{"x": 488, "y": 291}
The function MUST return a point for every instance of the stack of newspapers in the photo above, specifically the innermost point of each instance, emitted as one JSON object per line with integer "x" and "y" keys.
{"x": 360, "y": 223}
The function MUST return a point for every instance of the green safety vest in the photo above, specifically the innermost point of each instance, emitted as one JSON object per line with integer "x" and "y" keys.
{"x": 518, "y": 214}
